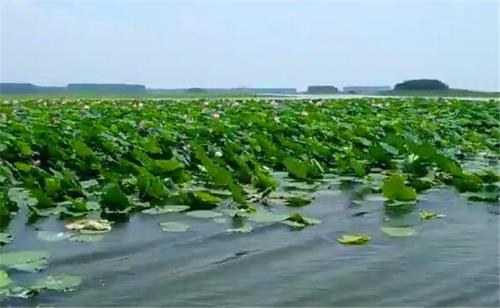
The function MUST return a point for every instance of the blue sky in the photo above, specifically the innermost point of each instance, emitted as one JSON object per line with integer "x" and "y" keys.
{"x": 250, "y": 43}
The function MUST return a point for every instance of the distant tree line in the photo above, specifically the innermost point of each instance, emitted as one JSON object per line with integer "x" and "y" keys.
{"x": 105, "y": 88}
{"x": 421, "y": 84}
{"x": 415, "y": 85}
{"x": 196, "y": 90}
{"x": 95, "y": 88}
{"x": 322, "y": 90}
{"x": 14, "y": 88}
{"x": 29, "y": 88}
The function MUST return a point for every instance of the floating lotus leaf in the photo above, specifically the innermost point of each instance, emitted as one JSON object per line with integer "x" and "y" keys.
{"x": 399, "y": 231}
{"x": 204, "y": 214}
{"x": 353, "y": 239}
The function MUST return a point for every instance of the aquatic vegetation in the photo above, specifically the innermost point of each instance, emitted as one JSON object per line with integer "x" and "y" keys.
{"x": 236, "y": 164}
{"x": 5, "y": 282}
{"x": 394, "y": 189}
{"x": 298, "y": 201}
{"x": 354, "y": 239}
{"x": 427, "y": 215}
{"x": 114, "y": 158}
{"x": 5, "y": 238}
{"x": 299, "y": 221}
{"x": 204, "y": 214}
{"x": 399, "y": 231}
{"x": 167, "y": 209}
{"x": 265, "y": 216}
{"x": 58, "y": 283}
{"x": 29, "y": 261}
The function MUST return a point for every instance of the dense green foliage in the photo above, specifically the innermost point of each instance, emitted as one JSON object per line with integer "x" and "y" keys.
{"x": 116, "y": 157}
{"x": 236, "y": 163}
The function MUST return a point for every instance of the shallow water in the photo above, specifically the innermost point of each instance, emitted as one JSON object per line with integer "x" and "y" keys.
{"x": 452, "y": 261}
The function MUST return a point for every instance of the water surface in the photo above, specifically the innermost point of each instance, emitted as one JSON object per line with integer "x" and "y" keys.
{"x": 452, "y": 261}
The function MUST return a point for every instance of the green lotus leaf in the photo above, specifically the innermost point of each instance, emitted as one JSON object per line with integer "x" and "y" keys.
{"x": 298, "y": 221}
{"x": 266, "y": 216}
{"x": 354, "y": 239}
{"x": 28, "y": 260}
{"x": 298, "y": 201}
{"x": 394, "y": 189}
{"x": 166, "y": 209}
{"x": 5, "y": 238}
{"x": 204, "y": 214}
{"x": 114, "y": 199}
{"x": 5, "y": 282}
{"x": 58, "y": 283}
{"x": 399, "y": 231}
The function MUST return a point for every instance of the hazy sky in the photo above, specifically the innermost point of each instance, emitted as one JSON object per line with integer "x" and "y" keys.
{"x": 252, "y": 43}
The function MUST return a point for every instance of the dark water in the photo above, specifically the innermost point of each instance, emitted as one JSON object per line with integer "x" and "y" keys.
{"x": 452, "y": 261}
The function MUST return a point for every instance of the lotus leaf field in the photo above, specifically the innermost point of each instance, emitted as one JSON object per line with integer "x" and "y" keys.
{"x": 94, "y": 163}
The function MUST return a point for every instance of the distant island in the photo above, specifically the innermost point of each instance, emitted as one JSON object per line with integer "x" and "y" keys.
{"x": 322, "y": 90}
{"x": 421, "y": 84}
{"x": 433, "y": 87}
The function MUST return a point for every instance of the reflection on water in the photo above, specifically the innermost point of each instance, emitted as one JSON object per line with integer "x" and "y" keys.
{"x": 452, "y": 261}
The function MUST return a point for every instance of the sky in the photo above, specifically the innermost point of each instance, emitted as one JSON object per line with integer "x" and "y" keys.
{"x": 170, "y": 44}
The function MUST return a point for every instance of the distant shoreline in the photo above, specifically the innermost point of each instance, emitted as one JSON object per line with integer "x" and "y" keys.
{"x": 415, "y": 87}
{"x": 454, "y": 93}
